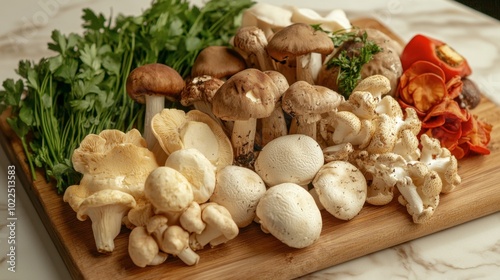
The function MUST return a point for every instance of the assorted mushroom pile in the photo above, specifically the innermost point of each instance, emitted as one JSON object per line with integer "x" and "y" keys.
{"x": 260, "y": 141}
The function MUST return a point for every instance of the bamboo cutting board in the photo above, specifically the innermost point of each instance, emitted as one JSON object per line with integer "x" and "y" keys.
{"x": 253, "y": 254}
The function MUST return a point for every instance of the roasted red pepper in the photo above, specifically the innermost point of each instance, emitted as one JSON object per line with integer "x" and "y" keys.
{"x": 439, "y": 53}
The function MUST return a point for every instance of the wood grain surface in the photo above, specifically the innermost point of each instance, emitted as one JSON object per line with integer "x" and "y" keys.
{"x": 254, "y": 254}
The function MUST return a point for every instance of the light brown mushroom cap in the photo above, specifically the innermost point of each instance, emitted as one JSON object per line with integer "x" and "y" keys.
{"x": 218, "y": 61}
{"x": 143, "y": 249}
{"x": 341, "y": 189}
{"x": 197, "y": 169}
{"x": 200, "y": 88}
{"x": 154, "y": 79}
{"x": 168, "y": 190}
{"x": 176, "y": 129}
{"x": 290, "y": 214}
{"x": 140, "y": 214}
{"x": 238, "y": 189}
{"x": 298, "y": 39}
{"x": 292, "y": 158}
{"x": 248, "y": 94}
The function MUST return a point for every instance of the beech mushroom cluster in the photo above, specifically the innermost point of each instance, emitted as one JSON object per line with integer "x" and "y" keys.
{"x": 262, "y": 142}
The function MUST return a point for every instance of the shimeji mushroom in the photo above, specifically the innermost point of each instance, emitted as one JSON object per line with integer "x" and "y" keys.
{"x": 293, "y": 158}
{"x": 290, "y": 214}
{"x": 143, "y": 249}
{"x": 176, "y": 129}
{"x": 220, "y": 226}
{"x": 197, "y": 169}
{"x": 113, "y": 164}
{"x": 341, "y": 189}
{"x": 239, "y": 189}
{"x": 152, "y": 84}
{"x": 306, "y": 103}
{"x": 245, "y": 97}
{"x": 175, "y": 241}
{"x": 299, "y": 47}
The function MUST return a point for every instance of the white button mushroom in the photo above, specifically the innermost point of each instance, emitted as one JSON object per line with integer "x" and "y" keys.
{"x": 341, "y": 189}
{"x": 143, "y": 249}
{"x": 239, "y": 189}
{"x": 290, "y": 214}
{"x": 293, "y": 158}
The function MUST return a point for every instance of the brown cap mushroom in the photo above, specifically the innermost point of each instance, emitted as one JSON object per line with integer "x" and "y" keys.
{"x": 245, "y": 97}
{"x": 294, "y": 44}
{"x": 152, "y": 84}
{"x": 305, "y": 103}
{"x": 275, "y": 125}
{"x": 252, "y": 41}
{"x": 218, "y": 61}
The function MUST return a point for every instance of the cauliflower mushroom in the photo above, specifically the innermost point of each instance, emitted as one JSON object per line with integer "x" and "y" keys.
{"x": 197, "y": 169}
{"x": 293, "y": 158}
{"x": 245, "y": 97}
{"x": 143, "y": 249}
{"x": 290, "y": 214}
{"x": 341, "y": 189}
{"x": 238, "y": 189}
{"x": 175, "y": 241}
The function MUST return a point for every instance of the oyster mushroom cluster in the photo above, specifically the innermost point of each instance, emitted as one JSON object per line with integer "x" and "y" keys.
{"x": 258, "y": 140}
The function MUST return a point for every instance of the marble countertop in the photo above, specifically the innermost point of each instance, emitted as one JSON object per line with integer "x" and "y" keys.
{"x": 467, "y": 251}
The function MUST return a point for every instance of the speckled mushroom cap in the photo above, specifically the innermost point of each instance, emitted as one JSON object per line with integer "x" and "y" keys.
{"x": 247, "y": 94}
{"x": 154, "y": 79}
{"x": 218, "y": 61}
{"x": 200, "y": 88}
{"x": 298, "y": 39}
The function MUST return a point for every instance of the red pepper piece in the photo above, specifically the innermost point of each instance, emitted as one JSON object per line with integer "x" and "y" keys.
{"x": 422, "y": 47}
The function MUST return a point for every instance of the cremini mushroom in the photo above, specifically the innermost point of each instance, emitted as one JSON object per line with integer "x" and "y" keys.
{"x": 175, "y": 241}
{"x": 239, "y": 189}
{"x": 293, "y": 158}
{"x": 197, "y": 169}
{"x": 252, "y": 42}
{"x": 300, "y": 48}
{"x": 275, "y": 125}
{"x": 290, "y": 214}
{"x": 143, "y": 249}
{"x": 152, "y": 84}
{"x": 199, "y": 92}
{"x": 341, "y": 189}
{"x": 220, "y": 62}
{"x": 176, "y": 129}
{"x": 245, "y": 97}
{"x": 305, "y": 103}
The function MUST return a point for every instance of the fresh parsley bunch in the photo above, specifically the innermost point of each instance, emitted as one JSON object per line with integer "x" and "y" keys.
{"x": 81, "y": 89}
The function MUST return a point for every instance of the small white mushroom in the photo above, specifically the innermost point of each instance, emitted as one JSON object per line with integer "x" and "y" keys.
{"x": 290, "y": 214}
{"x": 341, "y": 189}
{"x": 176, "y": 242}
{"x": 143, "y": 249}
{"x": 239, "y": 189}
{"x": 293, "y": 158}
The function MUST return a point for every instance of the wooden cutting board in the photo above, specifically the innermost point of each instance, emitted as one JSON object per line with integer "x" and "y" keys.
{"x": 253, "y": 254}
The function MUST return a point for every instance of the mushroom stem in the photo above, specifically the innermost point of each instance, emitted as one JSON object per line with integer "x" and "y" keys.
{"x": 154, "y": 105}
{"x": 273, "y": 126}
{"x": 188, "y": 256}
{"x": 303, "y": 125}
{"x": 307, "y": 67}
{"x": 210, "y": 233}
{"x": 243, "y": 139}
{"x": 106, "y": 225}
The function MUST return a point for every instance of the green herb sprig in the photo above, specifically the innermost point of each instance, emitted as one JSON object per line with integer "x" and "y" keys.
{"x": 81, "y": 89}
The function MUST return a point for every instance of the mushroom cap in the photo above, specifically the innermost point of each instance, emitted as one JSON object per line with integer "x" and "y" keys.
{"x": 143, "y": 249}
{"x": 238, "y": 189}
{"x": 341, "y": 188}
{"x": 176, "y": 129}
{"x": 218, "y": 61}
{"x": 103, "y": 198}
{"x": 197, "y": 169}
{"x": 247, "y": 94}
{"x": 279, "y": 80}
{"x": 302, "y": 98}
{"x": 175, "y": 240}
{"x": 154, "y": 79}
{"x": 200, "y": 88}
{"x": 168, "y": 190}
{"x": 293, "y": 158}
{"x": 290, "y": 214}
{"x": 190, "y": 219}
{"x": 250, "y": 39}
{"x": 298, "y": 39}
